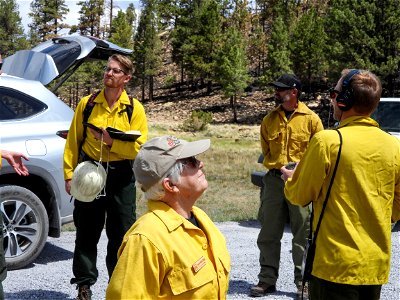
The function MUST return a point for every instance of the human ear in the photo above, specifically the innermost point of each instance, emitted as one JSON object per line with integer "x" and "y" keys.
{"x": 168, "y": 185}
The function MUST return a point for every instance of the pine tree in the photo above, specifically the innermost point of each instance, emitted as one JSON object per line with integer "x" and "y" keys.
{"x": 366, "y": 35}
{"x": 47, "y": 17}
{"x": 147, "y": 47}
{"x": 121, "y": 31}
{"x": 12, "y": 36}
{"x": 90, "y": 17}
{"x": 308, "y": 47}
{"x": 232, "y": 67}
{"x": 202, "y": 45}
{"x": 131, "y": 17}
{"x": 278, "y": 52}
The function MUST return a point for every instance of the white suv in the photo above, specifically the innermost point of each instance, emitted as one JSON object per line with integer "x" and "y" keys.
{"x": 388, "y": 115}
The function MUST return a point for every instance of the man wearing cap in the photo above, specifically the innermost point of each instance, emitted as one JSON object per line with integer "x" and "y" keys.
{"x": 174, "y": 251}
{"x": 285, "y": 134}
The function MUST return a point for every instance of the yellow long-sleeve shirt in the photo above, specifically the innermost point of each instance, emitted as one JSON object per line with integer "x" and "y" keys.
{"x": 354, "y": 240}
{"x": 284, "y": 140}
{"x": 103, "y": 116}
{"x": 164, "y": 256}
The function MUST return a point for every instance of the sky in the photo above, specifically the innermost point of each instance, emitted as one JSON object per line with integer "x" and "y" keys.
{"x": 72, "y": 16}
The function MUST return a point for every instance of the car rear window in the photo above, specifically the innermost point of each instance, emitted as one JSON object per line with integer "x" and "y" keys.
{"x": 16, "y": 105}
{"x": 388, "y": 116}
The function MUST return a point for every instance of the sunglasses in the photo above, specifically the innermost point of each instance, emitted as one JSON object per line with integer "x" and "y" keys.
{"x": 281, "y": 89}
{"x": 191, "y": 162}
{"x": 333, "y": 93}
{"x": 116, "y": 71}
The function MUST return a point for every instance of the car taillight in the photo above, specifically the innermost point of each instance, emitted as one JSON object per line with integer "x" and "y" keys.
{"x": 62, "y": 133}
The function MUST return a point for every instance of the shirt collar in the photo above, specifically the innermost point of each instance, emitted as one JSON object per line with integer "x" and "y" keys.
{"x": 358, "y": 120}
{"x": 123, "y": 99}
{"x": 168, "y": 215}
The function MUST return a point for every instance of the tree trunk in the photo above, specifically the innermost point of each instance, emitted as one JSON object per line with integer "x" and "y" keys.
{"x": 209, "y": 87}
{"x": 111, "y": 16}
{"x": 143, "y": 84}
{"x": 234, "y": 109}
{"x": 151, "y": 88}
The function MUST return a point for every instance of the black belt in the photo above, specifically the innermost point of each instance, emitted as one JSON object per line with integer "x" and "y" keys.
{"x": 275, "y": 172}
{"x": 112, "y": 164}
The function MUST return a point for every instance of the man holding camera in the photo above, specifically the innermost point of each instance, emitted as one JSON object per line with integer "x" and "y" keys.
{"x": 352, "y": 256}
{"x": 285, "y": 134}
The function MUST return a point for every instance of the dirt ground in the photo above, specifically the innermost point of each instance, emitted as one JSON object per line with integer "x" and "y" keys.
{"x": 251, "y": 108}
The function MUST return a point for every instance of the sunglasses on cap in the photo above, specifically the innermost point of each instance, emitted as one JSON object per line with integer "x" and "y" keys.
{"x": 191, "y": 162}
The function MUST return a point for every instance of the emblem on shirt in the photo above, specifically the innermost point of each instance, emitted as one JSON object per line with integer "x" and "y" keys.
{"x": 199, "y": 264}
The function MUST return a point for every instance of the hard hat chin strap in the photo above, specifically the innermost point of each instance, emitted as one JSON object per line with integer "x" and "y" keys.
{"x": 103, "y": 191}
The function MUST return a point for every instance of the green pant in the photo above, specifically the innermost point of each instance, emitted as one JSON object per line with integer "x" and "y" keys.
{"x": 325, "y": 290}
{"x": 116, "y": 211}
{"x": 274, "y": 211}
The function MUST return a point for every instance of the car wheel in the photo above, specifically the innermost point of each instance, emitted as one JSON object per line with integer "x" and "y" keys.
{"x": 25, "y": 225}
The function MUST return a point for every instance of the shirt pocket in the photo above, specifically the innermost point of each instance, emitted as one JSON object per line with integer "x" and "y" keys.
{"x": 275, "y": 144}
{"x": 184, "y": 280}
{"x": 298, "y": 145}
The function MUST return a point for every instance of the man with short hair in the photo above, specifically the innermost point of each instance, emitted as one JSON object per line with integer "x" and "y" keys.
{"x": 352, "y": 256}
{"x": 174, "y": 251}
{"x": 285, "y": 134}
{"x": 109, "y": 108}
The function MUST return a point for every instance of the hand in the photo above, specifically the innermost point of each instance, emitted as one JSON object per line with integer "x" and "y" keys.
{"x": 15, "y": 161}
{"x": 106, "y": 136}
{"x": 287, "y": 173}
{"x": 68, "y": 186}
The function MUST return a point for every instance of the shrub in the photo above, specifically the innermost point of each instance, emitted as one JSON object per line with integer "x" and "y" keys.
{"x": 169, "y": 81}
{"x": 197, "y": 121}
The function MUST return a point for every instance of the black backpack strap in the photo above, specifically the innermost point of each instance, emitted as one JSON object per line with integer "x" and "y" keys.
{"x": 86, "y": 114}
{"x": 89, "y": 106}
{"x": 129, "y": 109}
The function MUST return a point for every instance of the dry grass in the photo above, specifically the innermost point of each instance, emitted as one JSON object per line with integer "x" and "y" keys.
{"x": 228, "y": 164}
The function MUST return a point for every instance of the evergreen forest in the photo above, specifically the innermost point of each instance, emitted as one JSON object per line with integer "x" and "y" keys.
{"x": 235, "y": 45}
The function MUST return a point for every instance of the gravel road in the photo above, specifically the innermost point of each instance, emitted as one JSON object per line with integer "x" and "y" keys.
{"x": 48, "y": 277}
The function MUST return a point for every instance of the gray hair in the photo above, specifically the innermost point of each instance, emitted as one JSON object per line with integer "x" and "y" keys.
{"x": 157, "y": 192}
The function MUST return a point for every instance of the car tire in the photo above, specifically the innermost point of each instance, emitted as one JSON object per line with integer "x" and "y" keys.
{"x": 25, "y": 225}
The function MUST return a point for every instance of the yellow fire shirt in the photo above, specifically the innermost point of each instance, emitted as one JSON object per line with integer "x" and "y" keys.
{"x": 102, "y": 116}
{"x": 283, "y": 140}
{"x": 164, "y": 256}
{"x": 354, "y": 240}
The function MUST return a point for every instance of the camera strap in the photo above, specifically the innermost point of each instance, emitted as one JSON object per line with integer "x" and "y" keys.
{"x": 328, "y": 192}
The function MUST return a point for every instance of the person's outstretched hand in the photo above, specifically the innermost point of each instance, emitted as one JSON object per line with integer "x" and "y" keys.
{"x": 15, "y": 160}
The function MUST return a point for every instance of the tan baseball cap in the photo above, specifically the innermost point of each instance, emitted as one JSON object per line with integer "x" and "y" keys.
{"x": 159, "y": 154}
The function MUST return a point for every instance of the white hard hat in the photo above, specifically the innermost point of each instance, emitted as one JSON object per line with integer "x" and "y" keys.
{"x": 88, "y": 180}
